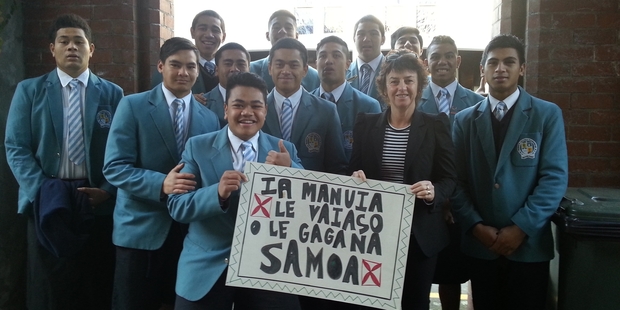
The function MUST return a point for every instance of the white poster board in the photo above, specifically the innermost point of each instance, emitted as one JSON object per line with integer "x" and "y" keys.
{"x": 321, "y": 235}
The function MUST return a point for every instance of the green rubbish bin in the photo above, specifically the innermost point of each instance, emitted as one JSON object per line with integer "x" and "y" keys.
{"x": 588, "y": 243}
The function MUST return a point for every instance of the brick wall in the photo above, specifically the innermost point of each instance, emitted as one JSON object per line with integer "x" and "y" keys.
{"x": 127, "y": 35}
{"x": 573, "y": 59}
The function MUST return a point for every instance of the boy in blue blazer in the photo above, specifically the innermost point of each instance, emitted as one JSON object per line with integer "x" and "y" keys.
{"x": 38, "y": 141}
{"x": 512, "y": 170}
{"x": 309, "y": 122}
{"x": 142, "y": 156}
{"x": 218, "y": 160}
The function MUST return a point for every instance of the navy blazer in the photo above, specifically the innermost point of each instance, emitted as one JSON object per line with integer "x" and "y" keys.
{"x": 261, "y": 67}
{"x": 463, "y": 99}
{"x": 141, "y": 151}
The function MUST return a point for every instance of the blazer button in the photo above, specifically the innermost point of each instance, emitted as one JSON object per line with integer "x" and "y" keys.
{"x": 496, "y": 185}
{"x": 58, "y": 154}
{"x": 226, "y": 261}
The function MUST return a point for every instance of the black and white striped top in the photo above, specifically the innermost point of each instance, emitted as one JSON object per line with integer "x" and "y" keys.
{"x": 394, "y": 151}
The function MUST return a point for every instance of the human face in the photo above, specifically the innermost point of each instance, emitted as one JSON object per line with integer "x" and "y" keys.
{"x": 179, "y": 72}
{"x": 442, "y": 62}
{"x": 368, "y": 41}
{"x": 281, "y": 27}
{"x": 332, "y": 63}
{"x": 402, "y": 88}
{"x": 245, "y": 111}
{"x": 72, "y": 51}
{"x": 409, "y": 42}
{"x": 502, "y": 71}
{"x": 231, "y": 61}
{"x": 287, "y": 70}
{"x": 208, "y": 35}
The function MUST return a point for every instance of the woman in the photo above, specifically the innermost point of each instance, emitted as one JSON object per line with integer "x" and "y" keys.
{"x": 403, "y": 145}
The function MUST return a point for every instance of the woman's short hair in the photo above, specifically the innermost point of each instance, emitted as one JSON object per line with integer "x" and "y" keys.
{"x": 399, "y": 61}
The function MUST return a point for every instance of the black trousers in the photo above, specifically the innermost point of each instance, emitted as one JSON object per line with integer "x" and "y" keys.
{"x": 222, "y": 297}
{"x": 145, "y": 279}
{"x": 509, "y": 285}
{"x": 81, "y": 281}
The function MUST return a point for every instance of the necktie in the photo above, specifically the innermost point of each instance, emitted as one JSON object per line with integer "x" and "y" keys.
{"x": 328, "y": 96}
{"x": 444, "y": 101}
{"x": 248, "y": 154}
{"x": 286, "y": 119}
{"x": 210, "y": 67}
{"x": 179, "y": 125}
{"x": 500, "y": 110}
{"x": 76, "y": 136}
{"x": 365, "y": 78}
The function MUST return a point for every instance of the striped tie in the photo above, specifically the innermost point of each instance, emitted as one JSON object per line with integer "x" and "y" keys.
{"x": 444, "y": 101}
{"x": 179, "y": 125}
{"x": 210, "y": 67}
{"x": 500, "y": 110}
{"x": 76, "y": 135}
{"x": 365, "y": 78}
{"x": 248, "y": 154}
{"x": 328, "y": 96}
{"x": 286, "y": 119}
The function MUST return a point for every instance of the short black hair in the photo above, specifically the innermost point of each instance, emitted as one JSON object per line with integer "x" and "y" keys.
{"x": 337, "y": 40}
{"x": 70, "y": 21}
{"x": 247, "y": 79}
{"x": 282, "y": 13}
{"x": 230, "y": 46}
{"x": 505, "y": 41}
{"x": 173, "y": 45}
{"x": 212, "y": 14}
{"x": 290, "y": 43}
{"x": 370, "y": 19}
{"x": 399, "y": 61}
{"x": 441, "y": 39}
{"x": 403, "y": 31}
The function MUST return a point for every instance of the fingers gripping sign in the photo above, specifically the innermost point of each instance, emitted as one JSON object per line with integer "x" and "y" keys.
{"x": 230, "y": 182}
{"x": 282, "y": 158}
{"x": 177, "y": 182}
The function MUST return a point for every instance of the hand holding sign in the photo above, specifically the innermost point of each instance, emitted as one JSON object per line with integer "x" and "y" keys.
{"x": 282, "y": 158}
{"x": 230, "y": 182}
{"x": 359, "y": 174}
{"x": 424, "y": 190}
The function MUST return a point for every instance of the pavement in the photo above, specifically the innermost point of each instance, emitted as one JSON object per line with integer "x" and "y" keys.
{"x": 436, "y": 304}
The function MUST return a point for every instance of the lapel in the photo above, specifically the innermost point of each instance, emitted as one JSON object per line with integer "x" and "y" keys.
{"x": 428, "y": 103}
{"x": 91, "y": 104}
{"x": 345, "y": 104}
{"x": 417, "y": 132}
{"x": 264, "y": 146}
{"x": 221, "y": 159}
{"x": 265, "y": 73}
{"x": 352, "y": 75}
{"x": 272, "y": 123}
{"x": 520, "y": 117}
{"x": 197, "y": 118}
{"x": 484, "y": 132}
{"x": 54, "y": 104}
{"x": 302, "y": 118}
{"x": 160, "y": 114}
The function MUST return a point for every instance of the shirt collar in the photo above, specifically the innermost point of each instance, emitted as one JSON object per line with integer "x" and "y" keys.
{"x": 337, "y": 92}
{"x": 170, "y": 97}
{"x": 374, "y": 64}
{"x": 509, "y": 101}
{"x": 294, "y": 98}
{"x": 65, "y": 78}
{"x": 203, "y": 61}
{"x": 451, "y": 88}
{"x": 235, "y": 142}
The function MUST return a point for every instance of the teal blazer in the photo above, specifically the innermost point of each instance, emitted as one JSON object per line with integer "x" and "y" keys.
{"x": 140, "y": 153}
{"x": 523, "y": 186}
{"x": 316, "y": 133}
{"x": 351, "y": 103}
{"x": 463, "y": 98}
{"x": 34, "y": 134}
{"x": 207, "y": 245}
{"x": 354, "y": 78}
{"x": 215, "y": 103}
{"x": 261, "y": 67}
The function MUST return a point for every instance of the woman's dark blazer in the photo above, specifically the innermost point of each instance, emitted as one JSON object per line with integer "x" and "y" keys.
{"x": 430, "y": 156}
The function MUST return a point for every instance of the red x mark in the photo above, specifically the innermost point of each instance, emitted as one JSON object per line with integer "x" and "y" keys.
{"x": 261, "y": 206}
{"x": 370, "y": 267}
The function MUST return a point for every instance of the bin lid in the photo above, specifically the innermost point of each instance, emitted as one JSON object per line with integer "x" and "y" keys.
{"x": 590, "y": 212}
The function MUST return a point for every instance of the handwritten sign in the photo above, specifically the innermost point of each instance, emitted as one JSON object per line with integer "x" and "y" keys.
{"x": 321, "y": 235}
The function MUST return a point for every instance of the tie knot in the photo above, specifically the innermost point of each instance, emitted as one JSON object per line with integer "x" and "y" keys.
{"x": 287, "y": 103}
{"x": 74, "y": 83}
{"x": 329, "y": 96}
{"x": 366, "y": 68}
{"x": 247, "y": 145}
{"x": 444, "y": 92}
{"x": 179, "y": 103}
{"x": 501, "y": 106}
{"x": 210, "y": 67}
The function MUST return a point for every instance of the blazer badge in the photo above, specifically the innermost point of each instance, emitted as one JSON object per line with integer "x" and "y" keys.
{"x": 313, "y": 142}
{"x": 348, "y": 139}
{"x": 527, "y": 148}
{"x": 104, "y": 118}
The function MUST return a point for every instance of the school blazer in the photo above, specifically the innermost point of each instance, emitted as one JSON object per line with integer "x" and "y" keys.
{"x": 430, "y": 156}
{"x": 316, "y": 133}
{"x": 141, "y": 151}
{"x": 351, "y": 103}
{"x": 261, "y": 67}
{"x": 463, "y": 98}
{"x": 208, "y": 242}
{"x": 523, "y": 186}
{"x": 34, "y": 134}
{"x": 215, "y": 103}
{"x": 353, "y": 76}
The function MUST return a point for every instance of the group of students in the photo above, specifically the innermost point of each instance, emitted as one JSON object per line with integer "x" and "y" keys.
{"x": 162, "y": 168}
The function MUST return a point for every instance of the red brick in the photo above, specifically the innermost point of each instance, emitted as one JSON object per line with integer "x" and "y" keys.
{"x": 595, "y": 37}
{"x": 564, "y": 84}
{"x": 576, "y": 117}
{"x": 588, "y": 133}
{"x": 574, "y": 20}
{"x": 588, "y": 164}
{"x": 115, "y": 12}
{"x": 555, "y": 68}
{"x": 593, "y": 69}
{"x": 605, "y": 180}
{"x": 555, "y": 37}
{"x": 596, "y": 5}
{"x": 605, "y": 118}
{"x": 556, "y": 5}
{"x": 592, "y": 101}
{"x": 615, "y": 134}
{"x": 578, "y": 148}
{"x": 577, "y": 179}
{"x": 610, "y": 149}
{"x": 608, "y": 20}
{"x": 606, "y": 85}
{"x": 562, "y": 100}
{"x": 572, "y": 53}
{"x": 607, "y": 52}
{"x": 123, "y": 27}
{"x": 101, "y": 56}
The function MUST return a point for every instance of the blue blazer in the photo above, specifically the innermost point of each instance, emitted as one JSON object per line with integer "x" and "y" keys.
{"x": 141, "y": 151}
{"x": 207, "y": 245}
{"x": 316, "y": 133}
{"x": 351, "y": 103}
{"x": 261, "y": 67}
{"x": 34, "y": 133}
{"x": 523, "y": 186}
{"x": 215, "y": 103}
{"x": 354, "y": 78}
{"x": 463, "y": 98}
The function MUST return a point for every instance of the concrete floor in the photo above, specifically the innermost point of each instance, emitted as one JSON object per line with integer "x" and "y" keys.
{"x": 436, "y": 304}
